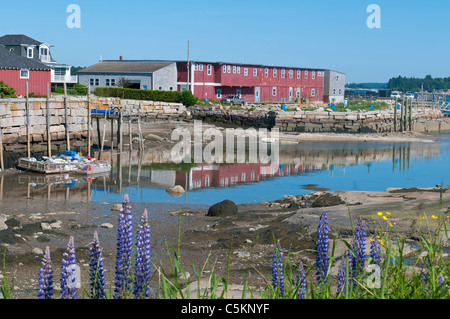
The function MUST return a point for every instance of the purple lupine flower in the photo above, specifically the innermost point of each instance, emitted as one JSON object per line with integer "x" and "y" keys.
{"x": 360, "y": 244}
{"x": 124, "y": 249}
{"x": 301, "y": 281}
{"x": 342, "y": 276}
{"x": 68, "y": 272}
{"x": 142, "y": 270}
{"x": 322, "y": 258}
{"x": 97, "y": 269}
{"x": 375, "y": 249}
{"x": 278, "y": 270}
{"x": 45, "y": 283}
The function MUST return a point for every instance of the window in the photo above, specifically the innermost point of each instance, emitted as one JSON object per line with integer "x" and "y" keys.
{"x": 340, "y": 91}
{"x": 291, "y": 74}
{"x": 160, "y": 88}
{"x": 195, "y": 67}
{"x": 274, "y": 91}
{"x": 171, "y": 88}
{"x": 238, "y": 70}
{"x": 313, "y": 75}
{"x": 255, "y": 72}
{"x": 97, "y": 82}
{"x": 297, "y": 95}
{"x": 107, "y": 82}
{"x": 200, "y": 67}
{"x": 219, "y": 93}
{"x": 245, "y": 72}
{"x": 24, "y": 73}
{"x": 274, "y": 73}
{"x": 283, "y": 73}
{"x": 298, "y": 74}
{"x": 313, "y": 92}
{"x": 11, "y": 50}
{"x": 113, "y": 82}
{"x": 306, "y": 74}
{"x": 207, "y": 181}
{"x": 238, "y": 93}
{"x": 209, "y": 68}
{"x": 337, "y": 78}
{"x": 229, "y": 69}
{"x": 266, "y": 72}
{"x": 30, "y": 53}
{"x": 44, "y": 52}
{"x": 224, "y": 69}
{"x": 234, "y": 69}
{"x": 334, "y": 91}
{"x": 91, "y": 82}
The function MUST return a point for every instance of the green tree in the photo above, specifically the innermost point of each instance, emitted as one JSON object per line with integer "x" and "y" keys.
{"x": 187, "y": 98}
{"x": 6, "y": 90}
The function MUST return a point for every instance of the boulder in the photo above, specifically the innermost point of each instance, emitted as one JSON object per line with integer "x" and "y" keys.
{"x": 175, "y": 191}
{"x": 152, "y": 137}
{"x": 224, "y": 208}
{"x": 326, "y": 200}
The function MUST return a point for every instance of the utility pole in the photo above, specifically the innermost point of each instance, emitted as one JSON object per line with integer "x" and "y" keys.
{"x": 188, "y": 67}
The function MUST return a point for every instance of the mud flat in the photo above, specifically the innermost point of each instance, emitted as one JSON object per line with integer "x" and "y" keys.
{"x": 28, "y": 226}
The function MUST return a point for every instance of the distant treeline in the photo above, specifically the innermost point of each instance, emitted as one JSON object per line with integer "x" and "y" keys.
{"x": 415, "y": 84}
{"x": 366, "y": 85}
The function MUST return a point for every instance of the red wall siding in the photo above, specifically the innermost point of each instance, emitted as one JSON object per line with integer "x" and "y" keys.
{"x": 37, "y": 82}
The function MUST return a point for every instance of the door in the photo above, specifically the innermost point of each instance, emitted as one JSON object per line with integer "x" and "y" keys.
{"x": 238, "y": 93}
{"x": 257, "y": 93}
{"x": 291, "y": 92}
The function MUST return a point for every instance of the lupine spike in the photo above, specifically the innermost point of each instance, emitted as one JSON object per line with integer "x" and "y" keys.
{"x": 68, "y": 272}
{"x": 142, "y": 272}
{"x": 322, "y": 258}
{"x": 375, "y": 249}
{"x": 342, "y": 276}
{"x": 301, "y": 281}
{"x": 124, "y": 249}
{"x": 45, "y": 283}
{"x": 360, "y": 244}
{"x": 278, "y": 270}
{"x": 97, "y": 270}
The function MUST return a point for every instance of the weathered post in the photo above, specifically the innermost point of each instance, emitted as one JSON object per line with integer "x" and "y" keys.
{"x": 401, "y": 114}
{"x": 66, "y": 115}
{"x": 1, "y": 149}
{"x": 89, "y": 121}
{"x": 395, "y": 115}
{"x": 27, "y": 108}
{"x": 49, "y": 136}
{"x": 410, "y": 115}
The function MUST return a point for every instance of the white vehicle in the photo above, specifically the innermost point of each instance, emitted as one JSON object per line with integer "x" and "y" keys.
{"x": 396, "y": 95}
{"x": 409, "y": 96}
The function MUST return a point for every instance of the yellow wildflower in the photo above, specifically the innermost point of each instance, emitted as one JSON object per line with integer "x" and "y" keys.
{"x": 391, "y": 225}
{"x": 434, "y": 217}
{"x": 421, "y": 217}
{"x": 387, "y": 213}
{"x": 381, "y": 242}
{"x": 380, "y": 214}
{"x": 385, "y": 218}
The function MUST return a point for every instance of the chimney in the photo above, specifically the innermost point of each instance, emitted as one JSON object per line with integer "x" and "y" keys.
{"x": 121, "y": 58}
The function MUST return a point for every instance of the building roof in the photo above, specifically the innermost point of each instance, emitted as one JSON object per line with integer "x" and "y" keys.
{"x": 127, "y": 66}
{"x": 18, "y": 39}
{"x": 10, "y": 60}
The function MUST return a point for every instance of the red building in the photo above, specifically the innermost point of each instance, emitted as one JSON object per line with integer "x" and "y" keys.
{"x": 16, "y": 71}
{"x": 255, "y": 83}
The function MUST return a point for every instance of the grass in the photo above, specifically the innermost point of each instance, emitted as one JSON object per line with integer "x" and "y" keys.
{"x": 421, "y": 274}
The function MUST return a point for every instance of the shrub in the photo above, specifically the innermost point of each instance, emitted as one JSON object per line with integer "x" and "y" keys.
{"x": 138, "y": 94}
{"x": 6, "y": 90}
{"x": 188, "y": 99}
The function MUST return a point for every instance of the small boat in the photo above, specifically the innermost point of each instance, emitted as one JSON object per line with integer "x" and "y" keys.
{"x": 69, "y": 162}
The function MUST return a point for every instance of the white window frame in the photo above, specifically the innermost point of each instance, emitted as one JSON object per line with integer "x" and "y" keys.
{"x": 195, "y": 67}
{"x": 234, "y": 69}
{"x": 291, "y": 73}
{"x": 255, "y": 72}
{"x": 224, "y": 69}
{"x": 229, "y": 69}
{"x": 209, "y": 69}
{"x": 245, "y": 72}
{"x": 274, "y": 91}
{"x": 313, "y": 75}
{"x": 313, "y": 92}
{"x": 340, "y": 91}
{"x": 91, "y": 82}
{"x": 200, "y": 67}
{"x": 30, "y": 49}
{"x": 306, "y": 74}
{"x": 274, "y": 73}
{"x": 97, "y": 82}
{"x": 113, "y": 82}
{"x": 219, "y": 93}
{"x": 27, "y": 76}
{"x": 238, "y": 70}
{"x": 299, "y": 74}
{"x": 107, "y": 82}
{"x": 337, "y": 78}
{"x": 266, "y": 72}
{"x": 283, "y": 73}
{"x": 297, "y": 94}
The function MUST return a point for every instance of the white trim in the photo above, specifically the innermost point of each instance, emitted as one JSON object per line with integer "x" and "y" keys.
{"x": 24, "y": 77}
{"x": 201, "y": 83}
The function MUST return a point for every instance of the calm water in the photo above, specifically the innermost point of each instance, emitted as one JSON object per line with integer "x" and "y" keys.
{"x": 329, "y": 165}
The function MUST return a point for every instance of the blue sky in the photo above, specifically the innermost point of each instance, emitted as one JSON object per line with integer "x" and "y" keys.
{"x": 412, "y": 40}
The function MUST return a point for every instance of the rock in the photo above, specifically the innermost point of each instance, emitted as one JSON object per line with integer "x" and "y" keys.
{"x": 184, "y": 276}
{"x": 37, "y": 251}
{"x": 56, "y": 225}
{"x": 117, "y": 207}
{"x": 46, "y": 226}
{"x": 326, "y": 200}
{"x": 107, "y": 225}
{"x": 175, "y": 191}
{"x": 152, "y": 137}
{"x": 224, "y": 208}
{"x": 242, "y": 254}
{"x": 3, "y": 226}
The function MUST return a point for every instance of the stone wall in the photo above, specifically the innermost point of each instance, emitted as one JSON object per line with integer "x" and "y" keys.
{"x": 423, "y": 120}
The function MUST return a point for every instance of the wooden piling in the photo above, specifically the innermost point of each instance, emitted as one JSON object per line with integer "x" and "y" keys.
{"x": 49, "y": 135}
{"x": 27, "y": 108}
{"x": 410, "y": 115}
{"x": 89, "y": 122}
{"x": 1, "y": 150}
{"x": 401, "y": 115}
{"x": 395, "y": 115}
{"x": 66, "y": 115}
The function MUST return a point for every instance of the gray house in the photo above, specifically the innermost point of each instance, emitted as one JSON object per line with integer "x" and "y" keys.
{"x": 147, "y": 75}
{"x": 334, "y": 86}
